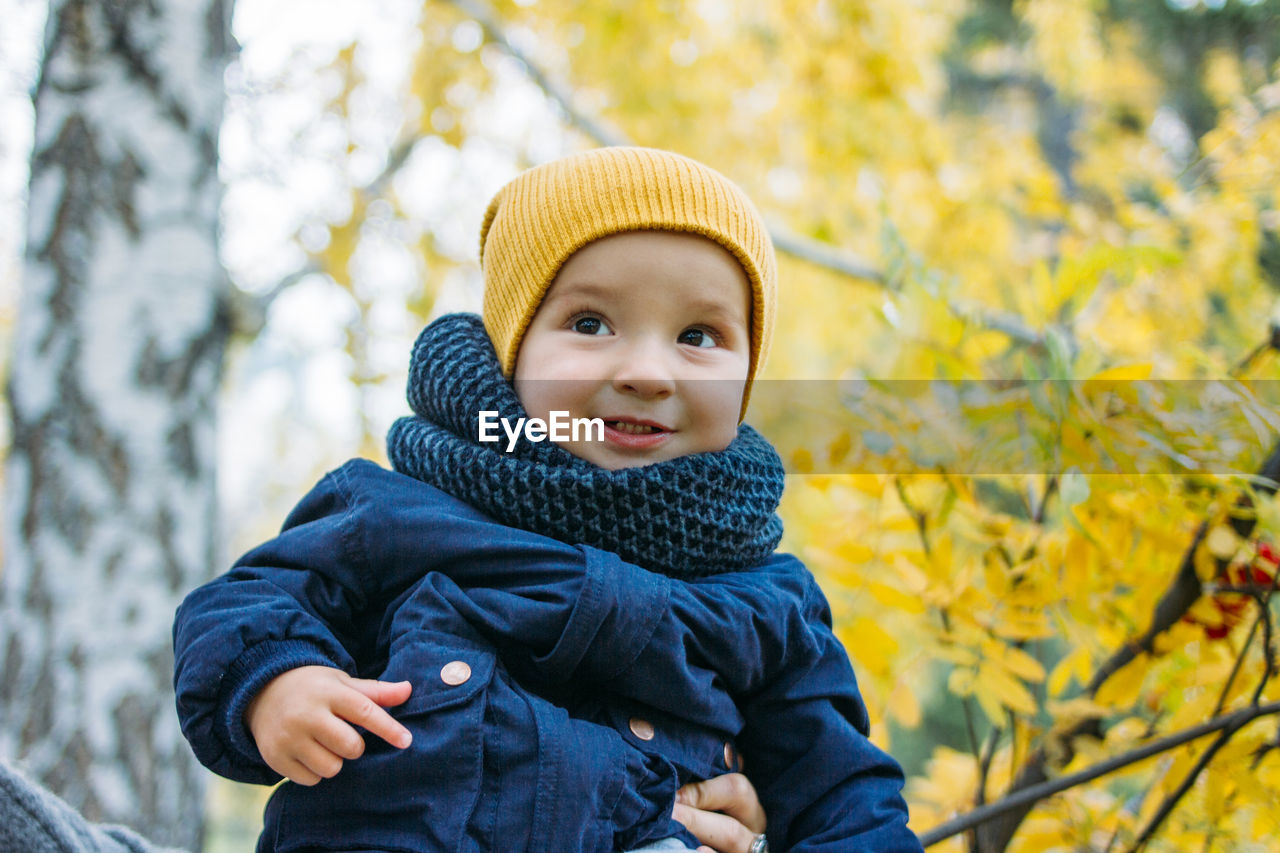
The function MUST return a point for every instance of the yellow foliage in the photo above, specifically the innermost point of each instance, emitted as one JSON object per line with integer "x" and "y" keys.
{"x": 871, "y": 647}
{"x": 950, "y": 782}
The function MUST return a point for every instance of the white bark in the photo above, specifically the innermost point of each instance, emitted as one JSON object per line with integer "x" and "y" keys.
{"x": 110, "y": 508}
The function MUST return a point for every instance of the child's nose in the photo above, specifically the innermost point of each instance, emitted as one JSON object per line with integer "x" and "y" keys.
{"x": 644, "y": 371}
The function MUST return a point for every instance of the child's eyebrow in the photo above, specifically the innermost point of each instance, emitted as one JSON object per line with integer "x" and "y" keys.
{"x": 577, "y": 289}
{"x": 713, "y": 308}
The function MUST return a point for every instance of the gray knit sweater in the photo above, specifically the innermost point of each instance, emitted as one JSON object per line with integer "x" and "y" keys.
{"x": 32, "y": 820}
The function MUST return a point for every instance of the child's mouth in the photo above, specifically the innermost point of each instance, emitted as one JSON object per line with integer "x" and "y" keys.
{"x": 633, "y": 429}
{"x": 632, "y": 436}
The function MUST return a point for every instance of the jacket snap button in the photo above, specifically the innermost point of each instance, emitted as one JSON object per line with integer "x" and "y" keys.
{"x": 455, "y": 672}
{"x": 642, "y": 729}
{"x": 729, "y": 756}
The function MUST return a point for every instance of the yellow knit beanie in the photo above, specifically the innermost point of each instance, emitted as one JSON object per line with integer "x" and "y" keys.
{"x": 539, "y": 219}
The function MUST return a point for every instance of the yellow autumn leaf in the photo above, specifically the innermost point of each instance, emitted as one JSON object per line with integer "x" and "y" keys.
{"x": 995, "y": 681}
{"x": 894, "y": 598}
{"x": 903, "y": 706}
{"x": 1072, "y": 664}
{"x": 871, "y": 647}
{"x": 961, "y": 681}
{"x": 1121, "y": 690}
{"x": 990, "y": 704}
{"x": 1122, "y": 373}
{"x": 1021, "y": 664}
{"x": 1024, "y": 625}
{"x": 1222, "y": 542}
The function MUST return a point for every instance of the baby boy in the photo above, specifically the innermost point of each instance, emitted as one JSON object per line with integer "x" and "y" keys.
{"x": 566, "y": 630}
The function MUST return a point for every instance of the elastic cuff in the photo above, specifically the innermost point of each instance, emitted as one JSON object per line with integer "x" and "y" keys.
{"x": 248, "y": 674}
{"x": 616, "y": 614}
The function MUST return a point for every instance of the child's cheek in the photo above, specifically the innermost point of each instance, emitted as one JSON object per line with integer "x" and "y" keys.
{"x": 722, "y": 402}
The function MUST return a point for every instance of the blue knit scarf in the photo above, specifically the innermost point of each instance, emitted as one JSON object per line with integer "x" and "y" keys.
{"x": 693, "y": 515}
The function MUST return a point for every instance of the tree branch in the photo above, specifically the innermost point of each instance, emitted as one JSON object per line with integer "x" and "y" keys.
{"x": 562, "y": 97}
{"x": 1271, "y": 343}
{"x": 249, "y": 313}
{"x": 806, "y": 249}
{"x": 1029, "y": 796}
{"x": 823, "y": 255}
{"x": 995, "y": 832}
{"x": 1171, "y": 801}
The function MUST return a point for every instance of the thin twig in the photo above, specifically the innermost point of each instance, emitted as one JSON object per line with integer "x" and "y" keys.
{"x": 1050, "y": 488}
{"x": 999, "y": 321}
{"x": 984, "y": 772}
{"x": 1172, "y": 800}
{"x": 984, "y": 763}
{"x": 823, "y": 254}
{"x": 1033, "y": 794}
{"x": 1236, "y": 667}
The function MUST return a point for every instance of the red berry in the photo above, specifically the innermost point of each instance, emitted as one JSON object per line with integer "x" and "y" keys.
{"x": 1268, "y": 553}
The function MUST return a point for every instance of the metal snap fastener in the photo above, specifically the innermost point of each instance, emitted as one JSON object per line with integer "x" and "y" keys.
{"x": 455, "y": 672}
{"x": 642, "y": 729}
{"x": 730, "y": 757}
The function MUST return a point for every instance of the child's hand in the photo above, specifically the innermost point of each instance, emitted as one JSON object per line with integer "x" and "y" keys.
{"x": 301, "y": 721}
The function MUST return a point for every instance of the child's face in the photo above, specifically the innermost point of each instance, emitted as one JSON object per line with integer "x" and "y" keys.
{"x": 649, "y": 331}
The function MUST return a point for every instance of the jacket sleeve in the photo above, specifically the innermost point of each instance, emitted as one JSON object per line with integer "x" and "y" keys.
{"x": 288, "y": 603}
{"x": 316, "y": 595}
{"x": 824, "y": 786}
{"x": 692, "y": 648}
{"x": 757, "y": 647}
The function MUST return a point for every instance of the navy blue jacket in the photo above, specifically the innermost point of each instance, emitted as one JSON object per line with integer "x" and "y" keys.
{"x": 592, "y": 687}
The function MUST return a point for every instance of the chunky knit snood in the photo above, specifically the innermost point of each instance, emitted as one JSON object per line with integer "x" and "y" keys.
{"x": 690, "y": 516}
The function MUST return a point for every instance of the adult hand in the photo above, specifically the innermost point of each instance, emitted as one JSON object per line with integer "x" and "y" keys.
{"x": 303, "y": 720}
{"x": 723, "y": 813}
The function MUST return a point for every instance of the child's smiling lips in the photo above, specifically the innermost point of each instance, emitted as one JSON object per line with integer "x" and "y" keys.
{"x": 635, "y": 432}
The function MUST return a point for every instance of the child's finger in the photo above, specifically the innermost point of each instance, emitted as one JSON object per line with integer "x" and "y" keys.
{"x": 317, "y": 758}
{"x": 339, "y": 738}
{"x": 355, "y": 707}
{"x": 296, "y": 771}
{"x": 388, "y": 694}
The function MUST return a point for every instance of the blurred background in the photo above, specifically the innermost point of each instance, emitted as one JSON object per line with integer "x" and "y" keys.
{"x": 1056, "y": 222}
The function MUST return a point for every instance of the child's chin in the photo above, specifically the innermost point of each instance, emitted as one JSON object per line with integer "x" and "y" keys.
{"x": 602, "y": 456}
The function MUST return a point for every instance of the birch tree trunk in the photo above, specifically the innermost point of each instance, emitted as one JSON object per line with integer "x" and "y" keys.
{"x": 110, "y": 505}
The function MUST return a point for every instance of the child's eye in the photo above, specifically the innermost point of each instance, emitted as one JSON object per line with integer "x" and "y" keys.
{"x": 590, "y": 326}
{"x": 697, "y": 338}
